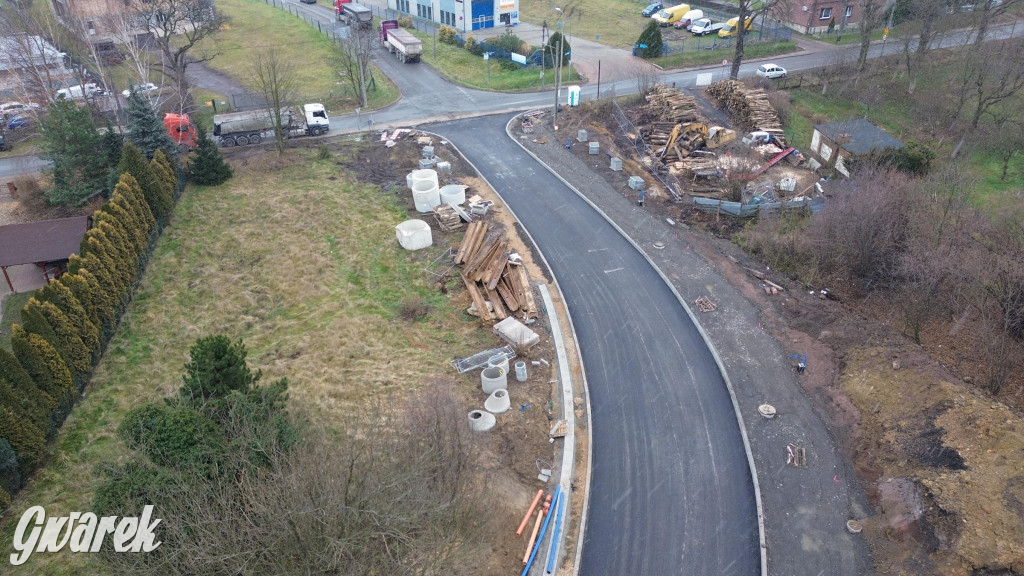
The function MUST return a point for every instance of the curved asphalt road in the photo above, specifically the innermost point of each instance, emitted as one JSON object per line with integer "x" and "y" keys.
{"x": 671, "y": 491}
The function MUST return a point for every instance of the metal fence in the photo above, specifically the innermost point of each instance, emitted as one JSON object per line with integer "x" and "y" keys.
{"x": 630, "y": 131}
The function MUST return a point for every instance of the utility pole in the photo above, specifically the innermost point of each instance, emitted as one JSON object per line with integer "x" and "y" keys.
{"x": 558, "y": 81}
{"x": 885, "y": 33}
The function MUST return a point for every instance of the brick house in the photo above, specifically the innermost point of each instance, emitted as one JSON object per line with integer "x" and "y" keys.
{"x": 833, "y": 145}
{"x": 814, "y": 16}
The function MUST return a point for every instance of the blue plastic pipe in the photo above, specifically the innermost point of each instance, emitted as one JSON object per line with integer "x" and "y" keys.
{"x": 543, "y": 529}
{"x": 554, "y": 537}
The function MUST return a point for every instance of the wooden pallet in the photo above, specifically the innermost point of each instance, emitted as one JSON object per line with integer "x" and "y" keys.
{"x": 704, "y": 304}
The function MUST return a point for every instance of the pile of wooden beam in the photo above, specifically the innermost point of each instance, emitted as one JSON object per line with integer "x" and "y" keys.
{"x": 670, "y": 104}
{"x": 447, "y": 218}
{"x": 491, "y": 276}
{"x": 749, "y": 107}
{"x": 689, "y": 136}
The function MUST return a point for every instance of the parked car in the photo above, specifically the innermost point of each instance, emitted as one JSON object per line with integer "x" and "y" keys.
{"x": 141, "y": 89}
{"x": 688, "y": 19}
{"x": 3, "y": 144}
{"x": 771, "y": 71}
{"x": 17, "y": 122}
{"x": 701, "y": 27}
{"x": 651, "y": 9}
{"x": 8, "y": 108}
{"x": 669, "y": 15}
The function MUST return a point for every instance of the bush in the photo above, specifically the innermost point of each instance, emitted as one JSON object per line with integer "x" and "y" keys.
{"x": 650, "y": 43}
{"x": 130, "y": 488}
{"x": 414, "y": 308}
{"x": 511, "y": 42}
{"x": 508, "y": 66}
{"x": 446, "y": 35}
{"x": 175, "y": 436}
{"x": 472, "y": 47}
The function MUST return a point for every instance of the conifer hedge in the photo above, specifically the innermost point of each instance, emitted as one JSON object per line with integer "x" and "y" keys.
{"x": 66, "y": 325}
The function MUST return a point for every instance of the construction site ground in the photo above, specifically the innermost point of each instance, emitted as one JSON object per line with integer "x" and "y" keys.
{"x": 929, "y": 465}
{"x": 519, "y": 445}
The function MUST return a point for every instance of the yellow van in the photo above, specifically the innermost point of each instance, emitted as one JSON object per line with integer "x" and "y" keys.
{"x": 669, "y": 15}
{"x": 729, "y": 29}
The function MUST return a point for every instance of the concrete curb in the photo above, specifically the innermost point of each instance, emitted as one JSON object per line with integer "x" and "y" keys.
{"x": 707, "y": 342}
{"x": 568, "y": 456}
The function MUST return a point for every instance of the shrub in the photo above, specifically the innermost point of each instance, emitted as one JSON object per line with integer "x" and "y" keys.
{"x": 555, "y": 42}
{"x": 130, "y": 488}
{"x": 446, "y": 35}
{"x": 27, "y": 440}
{"x": 472, "y": 46}
{"x": 176, "y": 436}
{"x": 509, "y": 41}
{"x": 414, "y": 308}
{"x": 508, "y": 66}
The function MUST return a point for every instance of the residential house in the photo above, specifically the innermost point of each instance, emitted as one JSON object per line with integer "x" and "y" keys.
{"x": 834, "y": 145}
{"x": 815, "y": 16}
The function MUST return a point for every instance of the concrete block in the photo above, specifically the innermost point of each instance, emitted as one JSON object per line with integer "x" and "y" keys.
{"x": 616, "y": 164}
{"x": 595, "y": 148}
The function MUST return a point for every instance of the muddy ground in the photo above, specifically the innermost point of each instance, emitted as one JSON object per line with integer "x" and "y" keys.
{"x": 938, "y": 459}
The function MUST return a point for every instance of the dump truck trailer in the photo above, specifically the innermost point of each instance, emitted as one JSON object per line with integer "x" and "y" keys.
{"x": 401, "y": 43}
{"x": 251, "y": 127}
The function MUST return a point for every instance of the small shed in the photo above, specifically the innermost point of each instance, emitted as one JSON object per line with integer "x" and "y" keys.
{"x": 47, "y": 244}
{"x": 833, "y": 144}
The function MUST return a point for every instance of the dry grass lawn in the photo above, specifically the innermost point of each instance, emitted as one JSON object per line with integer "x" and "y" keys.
{"x": 298, "y": 260}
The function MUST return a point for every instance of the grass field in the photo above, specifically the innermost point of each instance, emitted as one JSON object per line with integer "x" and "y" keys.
{"x": 617, "y": 22}
{"x": 254, "y": 26}
{"x": 692, "y": 56}
{"x": 462, "y": 67}
{"x": 301, "y": 262}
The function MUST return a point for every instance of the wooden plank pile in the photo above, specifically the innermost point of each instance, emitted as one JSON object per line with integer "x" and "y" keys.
{"x": 671, "y": 105}
{"x": 692, "y": 135}
{"x": 492, "y": 276}
{"x": 749, "y": 107}
{"x": 447, "y": 218}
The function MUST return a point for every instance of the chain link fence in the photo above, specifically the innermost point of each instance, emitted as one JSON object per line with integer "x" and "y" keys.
{"x": 630, "y": 131}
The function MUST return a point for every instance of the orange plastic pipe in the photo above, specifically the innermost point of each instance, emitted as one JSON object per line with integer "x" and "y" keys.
{"x": 536, "y": 528}
{"x": 529, "y": 512}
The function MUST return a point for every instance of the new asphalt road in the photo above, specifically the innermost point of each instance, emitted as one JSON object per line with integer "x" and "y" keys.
{"x": 671, "y": 491}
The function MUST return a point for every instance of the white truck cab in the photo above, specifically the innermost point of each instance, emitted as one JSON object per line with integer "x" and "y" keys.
{"x": 317, "y": 121}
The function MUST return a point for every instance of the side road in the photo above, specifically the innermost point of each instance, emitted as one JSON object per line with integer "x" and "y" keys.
{"x": 806, "y": 507}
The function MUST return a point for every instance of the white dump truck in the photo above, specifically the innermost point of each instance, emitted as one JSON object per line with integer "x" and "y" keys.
{"x": 243, "y": 128}
{"x": 401, "y": 43}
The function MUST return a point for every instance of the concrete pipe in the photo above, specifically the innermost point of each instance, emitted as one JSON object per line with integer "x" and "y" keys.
{"x": 498, "y": 402}
{"x": 498, "y": 361}
{"x": 492, "y": 379}
{"x": 521, "y": 371}
{"x": 480, "y": 421}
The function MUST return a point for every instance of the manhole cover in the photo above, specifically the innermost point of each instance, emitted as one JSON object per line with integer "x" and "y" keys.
{"x": 659, "y": 245}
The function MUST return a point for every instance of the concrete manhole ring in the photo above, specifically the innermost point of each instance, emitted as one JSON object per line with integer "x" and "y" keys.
{"x": 659, "y": 245}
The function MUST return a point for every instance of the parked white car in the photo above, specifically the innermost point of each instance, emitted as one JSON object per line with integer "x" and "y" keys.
{"x": 771, "y": 71}
{"x": 89, "y": 90}
{"x": 141, "y": 89}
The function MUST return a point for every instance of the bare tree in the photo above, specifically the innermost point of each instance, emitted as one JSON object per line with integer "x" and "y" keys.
{"x": 737, "y": 59}
{"x": 124, "y": 29}
{"x": 274, "y": 78}
{"x": 869, "y": 20}
{"x": 356, "y": 50}
{"x": 990, "y": 11}
{"x": 33, "y": 47}
{"x": 1005, "y": 137}
{"x": 178, "y": 27}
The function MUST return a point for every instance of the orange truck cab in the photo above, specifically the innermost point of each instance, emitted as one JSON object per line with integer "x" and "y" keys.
{"x": 179, "y": 128}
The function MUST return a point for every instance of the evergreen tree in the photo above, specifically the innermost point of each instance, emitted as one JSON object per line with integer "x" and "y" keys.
{"x": 123, "y": 273}
{"x": 145, "y": 130}
{"x": 27, "y": 402}
{"x": 558, "y": 42}
{"x": 157, "y": 196}
{"x": 63, "y": 298}
{"x": 217, "y": 367}
{"x": 126, "y": 222}
{"x": 106, "y": 292}
{"x": 168, "y": 169}
{"x": 207, "y": 166}
{"x": 12, "y": 372}
{"x": 112, "y": 143}
{"x": 76, "y": 353}
{"x": 10, "y": 474}
{"x": 650, "y": 43}
{"x": 33, "y": 321}
{"x": 130, "y": 197}
{"x": 72, "y": 143}
{"x": 79, "y": 287}
{"x": 27, "y": 440}
{"x": 43, "y": 363}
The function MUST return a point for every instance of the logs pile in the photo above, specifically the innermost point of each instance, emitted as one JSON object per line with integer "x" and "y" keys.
{"x": 671, "y": 105}
{"x": 749, "y": 107}
{"x": 692, "y": 136}
{"x": 493, "y": 275}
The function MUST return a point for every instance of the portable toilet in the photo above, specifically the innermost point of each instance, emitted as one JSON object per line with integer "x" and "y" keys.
{"x": 574, "y": 95}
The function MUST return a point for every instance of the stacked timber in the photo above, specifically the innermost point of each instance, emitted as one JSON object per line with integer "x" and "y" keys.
{"x": 670, "y": 104}
{"x": 690, "y": 136}
{"x": 749, "y": 107}
{"x": 492, "y": 276}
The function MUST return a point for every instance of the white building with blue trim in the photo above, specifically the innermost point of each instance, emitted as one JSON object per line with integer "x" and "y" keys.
{"x": 463, "y": 15}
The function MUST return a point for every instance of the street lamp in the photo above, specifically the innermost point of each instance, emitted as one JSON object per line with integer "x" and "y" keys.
{"x": 558, "y": 69}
